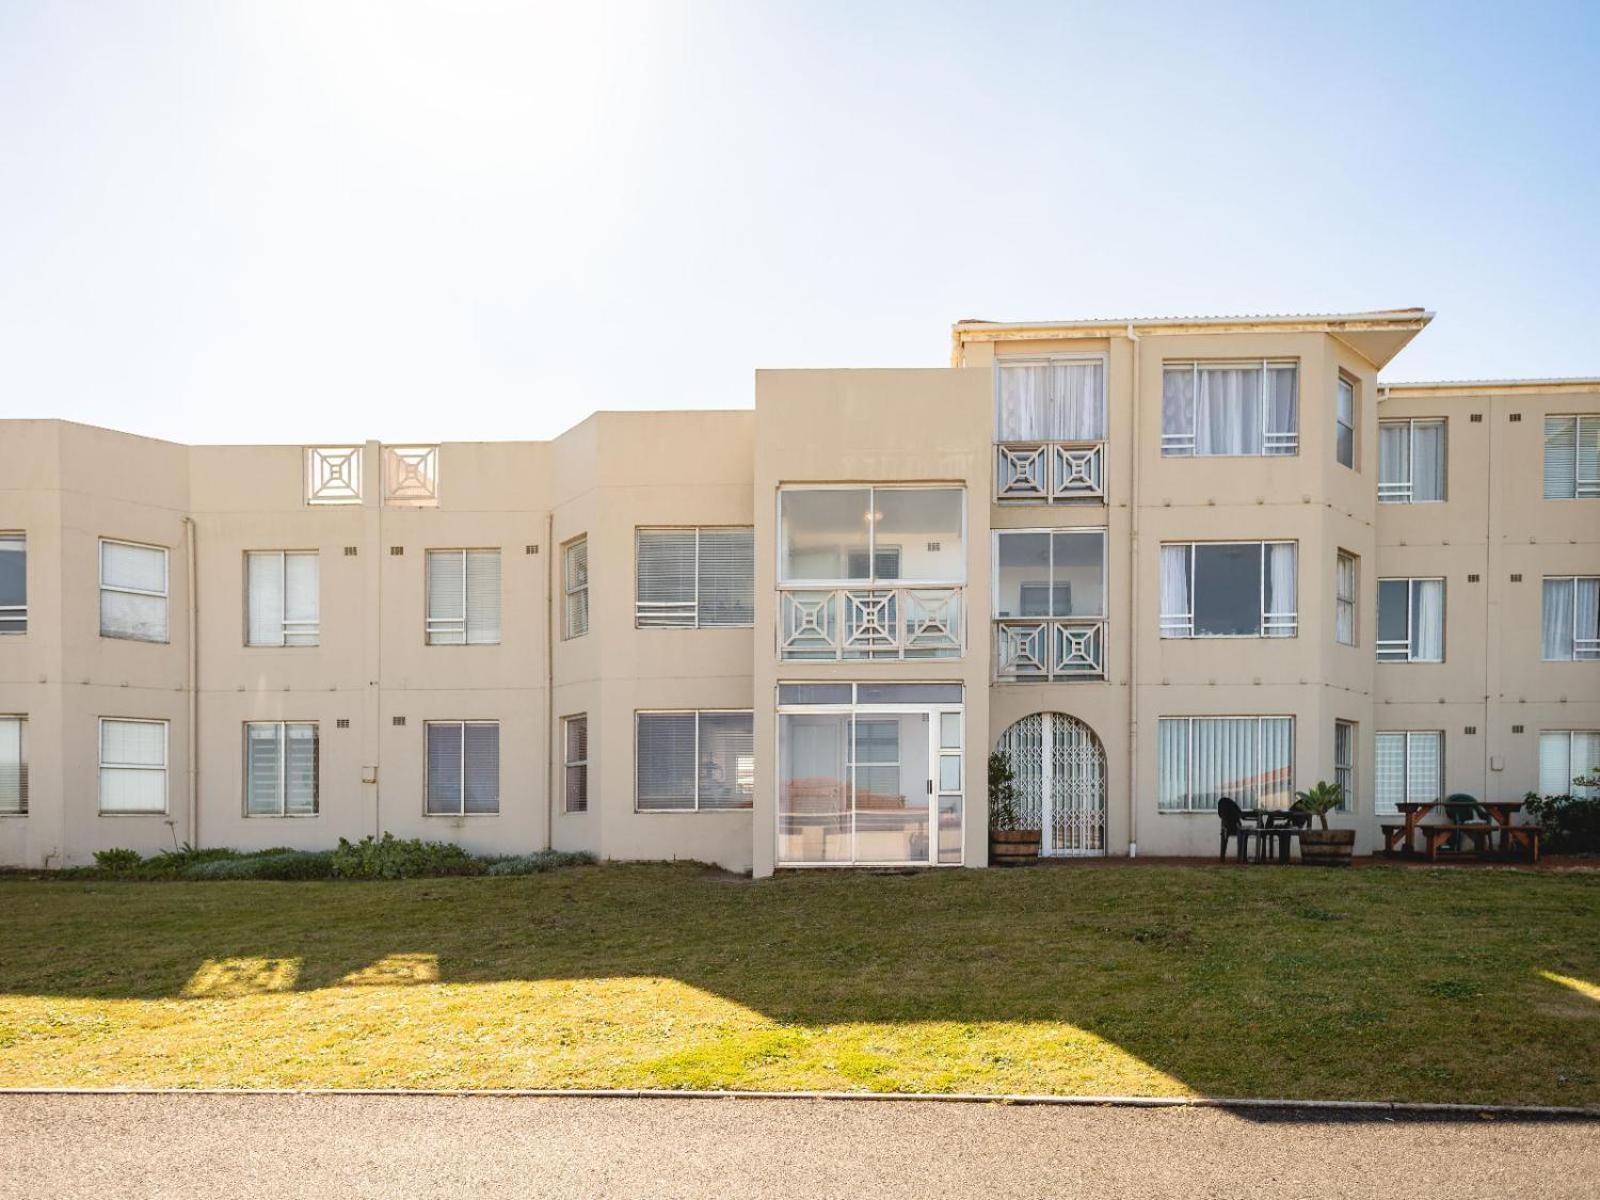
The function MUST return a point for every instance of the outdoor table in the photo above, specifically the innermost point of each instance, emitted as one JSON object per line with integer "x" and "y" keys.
{"x": 1280, "y": 823}
{"x": 1412, "y": 812}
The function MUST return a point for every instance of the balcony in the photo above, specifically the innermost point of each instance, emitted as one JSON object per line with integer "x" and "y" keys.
{"x": 1049, "y": 649}
{"x": 821, "y": 624}
{"x": 1049, "y": 472}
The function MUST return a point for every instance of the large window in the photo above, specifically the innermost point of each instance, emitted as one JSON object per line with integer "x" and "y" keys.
{"x": 575, "y": 743}
{"x": 463, "y": 598}
{"x": 872, "y": 536}
{"x": 575, "y": 582}
{"x": 869, "y": 773}
{"x": 1201, "y": 759}
{"x": 463, "y": 768}
{"x": 133, "y": 591}
{"x": 133, "y": 766}
{"x": 280, "y": 769}
{"x": 1346, "y": 576}
{"x": 1230, "y": 408}
{"x": 1228, "y": 589}
{"x": 1050, "y": 400}
{"x": 1050, "y": 573}
{"x": 1411, "y": 461}
{"x": 1408, "y": 768}
{"x": 693, "y": 761}
{"x": 13, "y": 767}
{"x": 1344, "y": 763}
{"x": 281, "y": 608}
{"x": 1344, "y": 423}
{"x": 1572, "y": 458}
{"x": 1566, "y": 755}
{"x": 1570, "y": 619}
{"x": 13, "y": 583}
{"x": 694, "y": 578}
{"x": 1410, "y": 620}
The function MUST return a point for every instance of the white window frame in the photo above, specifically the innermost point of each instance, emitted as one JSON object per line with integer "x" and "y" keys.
{"x": 434, "y": 626}
{"x": 643, "y": 619}
{"x": 1387, "y": 647}
{"x": 1274, "y": 443}
{"x": 1346, "y": 381}
{"x": 1344, "y": 773}
{"x": 1189, "y": 807}
{"x": 1050, "y": 567}
{"x": 1402, "y": 492}
{"x": 696, "y": 713}
{"x": 461, "y": 783}
{"x": 164, "y": 595}
{"x": 872, "y": 581}
{"x": 165, "y": 767}
{"x": 1380, "y": 806}
{"x": 302, "y": 627}
{"x": 283, "y": 812}
{"x": 1569, "y": 789}
{"x": 569, "y": 764}
{"x": 570, "y": 590}
{"x": 1173, "y": 624}
{"x": 22, "y": 765}
{"x": 1582, "y": 649}
{"x": 14, "y": 617}
{"x": 1341, "y": 602}
{"x": 1583, "y": 488}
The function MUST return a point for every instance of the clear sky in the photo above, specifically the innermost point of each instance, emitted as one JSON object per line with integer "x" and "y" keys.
{"x": 276, "y": 221}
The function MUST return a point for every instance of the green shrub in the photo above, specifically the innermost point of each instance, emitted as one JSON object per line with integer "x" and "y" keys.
{"x": 541, "y": 860}
{"x": 171, "y": 864}
{"x": 390, "y": 857}
{"x": 267, "y": 864}
{"x": 118, "y": 861}
{"x": 1003, "y": 812}
{"x": 1571, "y": 824}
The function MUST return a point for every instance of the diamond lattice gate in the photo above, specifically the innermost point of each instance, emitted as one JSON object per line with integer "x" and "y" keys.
{"x": 1061, "y": 782}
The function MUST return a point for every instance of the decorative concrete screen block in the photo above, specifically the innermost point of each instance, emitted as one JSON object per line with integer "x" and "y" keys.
{"x": 333, "y": 474}
{"x": 411, "y": 476}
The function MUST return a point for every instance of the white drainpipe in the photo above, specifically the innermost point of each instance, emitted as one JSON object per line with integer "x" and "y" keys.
{"x": 1133, "y": 607}
{"x": 189, "y": 537}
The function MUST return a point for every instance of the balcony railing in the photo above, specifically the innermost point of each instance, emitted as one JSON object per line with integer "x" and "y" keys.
{"x": 1054, "y": 648}
{"x": 1048, "y": 472}
{"x": 867, "y": 623}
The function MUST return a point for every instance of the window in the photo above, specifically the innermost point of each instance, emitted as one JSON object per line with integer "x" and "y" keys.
{"x": 1572, "y": 458}
{"x": 463, "y": 598}
{"x": 463, "y": 768}
{"x": 694, "y": 578}
{"x": 13, "y": 583}
{"x": 693, "y": 761}
{"x": 1230, "y": 408}
{"x": 1346, "y": 574}
{"x": 1201, "y": 759}
{"x": 1344, "y": 423}
{"x": 1408, "y": 768}
{"x": 1344, "y": 763}
{"x": 1571, "y": 619}
{"x": 1050, "y": 573}
{"x": 133, "y": 591}
{"x": 872, "y": 536}
{"x": 1410, "y": 620}
{"x": 280, "y": 768}
{"x": 575, "y": 579}
{"x": 133, "y": 766}
{"x": 1411, "y": 461}
{"x": 1228, "y": 589}
{"x": 282, "y": 605}
{"x": 1565, "y": 755}
{"x": 13, "y": 767}
{"x": 1050, "y": 400}
{"x": 575, "y": 739}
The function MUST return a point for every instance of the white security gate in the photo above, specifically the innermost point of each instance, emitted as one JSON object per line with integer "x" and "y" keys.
{"x": 1061, "y": 782}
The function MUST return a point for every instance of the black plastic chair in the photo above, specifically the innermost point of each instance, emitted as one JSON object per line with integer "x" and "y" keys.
{"x": 1233, "y": 826}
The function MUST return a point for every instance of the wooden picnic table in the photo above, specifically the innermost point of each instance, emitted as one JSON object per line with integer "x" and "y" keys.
{"x": 1500, "y": 812}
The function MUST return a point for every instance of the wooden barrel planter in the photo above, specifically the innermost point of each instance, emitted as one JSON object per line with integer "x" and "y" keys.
{"x": 1013, "y": 847}
{"x": 1326, "y": 847}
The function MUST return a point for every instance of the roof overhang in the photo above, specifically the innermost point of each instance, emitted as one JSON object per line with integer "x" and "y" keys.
{"x": 1490, "y": 387}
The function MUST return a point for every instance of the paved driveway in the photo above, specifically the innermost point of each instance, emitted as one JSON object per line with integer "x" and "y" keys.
{"x": 419, "y": 1147}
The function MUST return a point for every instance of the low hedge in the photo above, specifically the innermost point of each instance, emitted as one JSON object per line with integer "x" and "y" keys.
{"x": 387, "y": 857}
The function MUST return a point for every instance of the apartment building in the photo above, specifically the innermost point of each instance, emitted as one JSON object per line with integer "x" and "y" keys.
{"x": 1156, "y": 561}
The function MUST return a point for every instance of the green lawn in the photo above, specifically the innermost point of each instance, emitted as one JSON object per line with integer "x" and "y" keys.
{"x": 1470, "y": 985}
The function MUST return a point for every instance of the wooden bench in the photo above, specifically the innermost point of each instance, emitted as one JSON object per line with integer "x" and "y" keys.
{"x": 1433, "y": 835}
{"x": 1391, "y": 838}
{"x": 1525, "y": 835}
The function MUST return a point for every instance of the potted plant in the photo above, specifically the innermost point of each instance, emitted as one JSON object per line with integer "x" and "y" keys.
{"x": 1324, "y": 847}
{"x": 1010, "y": 844}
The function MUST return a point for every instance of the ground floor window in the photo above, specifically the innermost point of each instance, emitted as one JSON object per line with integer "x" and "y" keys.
{"x": 693, "y": 761}
{"x": 1201, "y": 759}
{"x": 1344, "y": 763}
{"x": 575, "y": 737}
{"x": 13, "y": 767}
{"x": 1407, "y": 768}
{"x": 1563, "y": 756}
{"x": 463, "y": 768}
{"x": 869, "y": 774}
{"x": 133, "y": 766}
{"x": 280, "y": 769}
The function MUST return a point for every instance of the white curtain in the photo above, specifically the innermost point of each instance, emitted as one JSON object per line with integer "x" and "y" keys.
{"x": 1427, "y": 456}
{"x": 1586, "y": 623}
{"x": 1172, "y": 765}
{"x": 1176, "y": 602}
{"x": 1024, "y": 403}
{"x": 1063, "y": 402}
{"x": 1228, "y": 411}
{"x": 1556, "y": 620}
{"x": 1275, "y": 788}
{"x": 1177, "y": 409}
{"x": 1427, "y": 620}
{"x": 1394, "y": 457}
{"x": 1345, "y": 600}
{"x": 1280, "y": 588}
{"x": 1564, "y": 756}
{"x": 1227, "y": 762}
{"x": 1585, "y": 760}
{"x": 1283, "y": 407}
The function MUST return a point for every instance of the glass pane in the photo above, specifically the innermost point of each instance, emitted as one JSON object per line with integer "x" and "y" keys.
{"x": 13, "y": 572}
{"x": 142, "y": 568}
{"x": 1394, "y": 459}
{"x": 444, "y": 769}
{"x": 664, "y": 587}
{"x": 300, "y": 770}
{"x": 482, "y": 772}
{"x": 1177, "y": 410}
{"x": 949, "y": 772}
{"x": 129, "y": 615}
{"x": 1227, "y": 589}
{"x": 891, "y": 788}
{"x": 814, "y": 822}
{"x": 727, "y": 576}
{"x": 1080, "y": 589}
{"x": 727, "y": 769}
{"x": 125, "y": 790}
{"x": 1172, "y": 765}
{"x": 1228, "y": 411}
{"x": 824, "y": 534}
{"x": 264, "y": 607}
{"x": 1393, "y": 609}
{"x": 1427, "y": 460}
{"x": 263, "y": 780}
{"x": 1023, "y": 571}
{"x": 950, "y": 731}
{"x": 1389, "y": 773}
{"x": 908, "y": 693}
{"x": 919, "y": 534}
{"x": 950, "y": 828}
{"x": 1226, "y": 762}
{"x": 814, "y": 693}
{"x": 300, "y": 598}
{"x": 665, "y": 762}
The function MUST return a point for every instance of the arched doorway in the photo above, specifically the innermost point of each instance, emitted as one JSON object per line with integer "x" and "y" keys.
{"x": 1061, "y": 782}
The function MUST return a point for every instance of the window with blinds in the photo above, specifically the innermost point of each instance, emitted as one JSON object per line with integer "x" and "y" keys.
{"x": 13, "y": 583}
{"x": 280, "y": 768}
{"x": 463, "y": 598}
{"x": 133, "y": 591}
{"x": 13, "y": 767}
{"x": 1572, "y": 457}
{"x": 693, "y": 761}
{"x": 1407, "y": 767}
{"x": 575, "y": 584}
{"x": 1201, "y": 759}
{"x": 133, "y": 766}
{"x": 281, "y": 598}
{"x": 575, "y": 739}
{"x": 694, "y": 578}
{"x": 463, "y": 768}
{"x": 1566, "y": 756}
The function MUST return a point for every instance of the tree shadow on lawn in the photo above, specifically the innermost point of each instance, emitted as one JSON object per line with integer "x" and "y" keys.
{"x": 1229, "y": 981}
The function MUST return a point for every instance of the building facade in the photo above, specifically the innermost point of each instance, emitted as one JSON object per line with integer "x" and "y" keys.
{"x": 1155, "y": 561}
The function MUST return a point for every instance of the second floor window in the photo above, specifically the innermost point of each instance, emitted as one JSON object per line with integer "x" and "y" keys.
{"x": 1345, "y": 571}
{"x": 133, "y": 591}
{"x": 463, "y": 598}
{"x": 281, "y": 605}
{"x": 872, "y": 536}
{"x": 463, "y": 768}
{"x": 694, "y": 761}
{"x": 575, "y": 583}
{"x": 1570, "y": 619}
{"x": 280, "y": 769}
{"x": 1572, "y": 458}
{"x": 1344, "y": 423}
{"x": 1050, "y": 573}
{"x": 694, "y": 578}
{"x": 1410, "y": 620}
{"x": 1228, "y": 589}
{"x": 1050, "y": 400}
{"x": 1411, "y": 461}
{"x": 1230, "y": 408}
{"x": 13, "y": 583}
